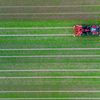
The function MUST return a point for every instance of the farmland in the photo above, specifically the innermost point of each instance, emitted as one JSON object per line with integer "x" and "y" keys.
{"x": 42, "y": 67}
{"x": 40, "y": 59}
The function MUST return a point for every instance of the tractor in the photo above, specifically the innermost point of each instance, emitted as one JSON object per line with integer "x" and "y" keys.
{"x": 86, "y": 30}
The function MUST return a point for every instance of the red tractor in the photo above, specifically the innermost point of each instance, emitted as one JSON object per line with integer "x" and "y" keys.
{"x": 86, "y": 30}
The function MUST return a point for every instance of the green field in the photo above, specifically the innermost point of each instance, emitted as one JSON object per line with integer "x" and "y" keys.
{"x": 27, "y": 72}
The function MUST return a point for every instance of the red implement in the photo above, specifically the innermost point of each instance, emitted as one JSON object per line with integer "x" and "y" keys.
{"x": 78, "y": 30}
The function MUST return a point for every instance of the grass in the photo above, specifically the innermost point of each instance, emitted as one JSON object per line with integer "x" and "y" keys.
{"x": 49, "y": 84}
{"x": 49, "y": 42}
{"x": 49, "y": 95}
{"x": 48, "y": 63}
{"x": 49, "y": 31}
{"x": 30, "y": 74}
{"x": 47, "y": 23}
{"x": 49, "y": 52}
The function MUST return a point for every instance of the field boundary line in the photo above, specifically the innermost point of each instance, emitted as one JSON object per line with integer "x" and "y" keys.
{"x": 31, "y": 28}
{"x": 53, "y": 77}
{"x": 44, "y": 6}
{"x": 35, "y": 35}
{"x": 69, "y": 13}
{"x": 54, "y": 70}
{"x": 81, "y": 91}
{"x": 10, "y": 49}
{"x": 76, "y": 98}
{"x": 51, "y": 56}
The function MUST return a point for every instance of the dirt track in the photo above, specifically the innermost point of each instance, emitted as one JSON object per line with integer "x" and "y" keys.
{"x": 46, "y": 2}
{"x": 11, "y": 12}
